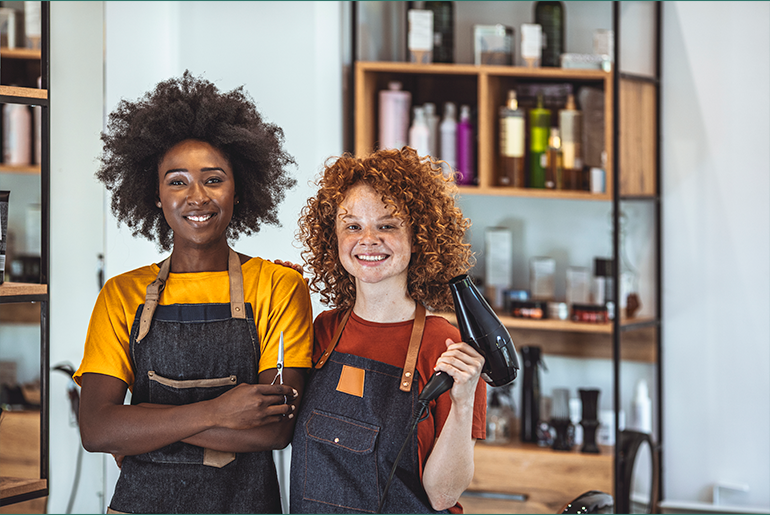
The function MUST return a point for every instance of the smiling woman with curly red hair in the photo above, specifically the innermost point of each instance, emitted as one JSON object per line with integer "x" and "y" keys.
{"x": 421, "y": 194}
{"x": 382, "y": 238}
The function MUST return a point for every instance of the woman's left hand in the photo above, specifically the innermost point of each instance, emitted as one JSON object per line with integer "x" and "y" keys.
{"x": 464, "y": 364}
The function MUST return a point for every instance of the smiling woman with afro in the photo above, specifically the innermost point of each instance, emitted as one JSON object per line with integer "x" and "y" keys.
{"x": 199, "y": 338}
{"x": 140, "y": 133}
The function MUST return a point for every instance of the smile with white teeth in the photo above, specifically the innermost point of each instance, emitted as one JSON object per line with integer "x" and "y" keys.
{"x": 199, "y": 218}
{"x": 372, "y": 258}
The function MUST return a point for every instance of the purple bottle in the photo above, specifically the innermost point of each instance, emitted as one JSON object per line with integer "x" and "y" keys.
{"x": 466, "y": 169}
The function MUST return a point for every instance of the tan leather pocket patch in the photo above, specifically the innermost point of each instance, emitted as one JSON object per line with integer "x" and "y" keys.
{"x": 217, "y": 459}
{"x": 352, "y": 381}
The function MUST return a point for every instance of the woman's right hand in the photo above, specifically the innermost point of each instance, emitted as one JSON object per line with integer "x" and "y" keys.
{"x": 252, "y": 405}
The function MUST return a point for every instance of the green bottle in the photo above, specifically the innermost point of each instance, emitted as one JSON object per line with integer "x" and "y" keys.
{"x": 539, "y": 126}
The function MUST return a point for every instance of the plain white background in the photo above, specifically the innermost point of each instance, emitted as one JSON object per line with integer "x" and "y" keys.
{"x": 716, "y": 219}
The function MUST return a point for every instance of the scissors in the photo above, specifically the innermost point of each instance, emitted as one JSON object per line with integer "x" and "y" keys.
{"x": 279, "y": 367}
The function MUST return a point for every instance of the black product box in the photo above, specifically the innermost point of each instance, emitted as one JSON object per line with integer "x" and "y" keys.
{"x": 591, "y": 313}
{"x": 536, "y": 309}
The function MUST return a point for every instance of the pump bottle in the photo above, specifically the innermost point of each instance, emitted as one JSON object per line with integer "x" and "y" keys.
{"x": 448, "y": 139}
{"x": 419, "y": 133}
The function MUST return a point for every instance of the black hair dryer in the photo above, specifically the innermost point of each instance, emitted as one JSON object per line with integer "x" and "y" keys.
{"x": 479, "y": 327}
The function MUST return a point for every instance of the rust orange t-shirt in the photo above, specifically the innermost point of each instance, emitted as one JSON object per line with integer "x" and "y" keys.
{"x": 388, "y": 343}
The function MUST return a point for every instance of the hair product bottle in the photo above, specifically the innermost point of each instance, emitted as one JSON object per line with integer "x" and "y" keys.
{"x": 512, "y": 136}
{"x": 448, "y": 139}
{"x": 570, "y": 123}
{"x": 443, "y": 31}
{"x": 553, "y": 172}
{"x": 466, "y": 171}
{"x": 431, "y": 118}
{"x": 550, "y": 16}
{"x": 530, "y": 392}
{"x": 539, "y": 125}
{"x": 419, "y": 134}
{"x": 394, "y": 116}
{"x": 17, "y": 133}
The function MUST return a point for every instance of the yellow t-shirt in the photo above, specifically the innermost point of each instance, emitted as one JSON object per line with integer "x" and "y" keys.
{"x": 278, "y": 296}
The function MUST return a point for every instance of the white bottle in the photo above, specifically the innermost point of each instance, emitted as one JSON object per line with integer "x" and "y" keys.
{"x": 17, "y": 132}
{"x": 448, "y": 138}
{"x": 394, "y": 116}
{"x": 419, "y": 133}
{"x": 641, "y": 409}
{"x": 433, "y": 135}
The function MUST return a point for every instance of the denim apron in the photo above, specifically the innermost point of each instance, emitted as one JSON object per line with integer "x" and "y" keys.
{"x": 349, "y": 433}
{"x": 186, "y": 353}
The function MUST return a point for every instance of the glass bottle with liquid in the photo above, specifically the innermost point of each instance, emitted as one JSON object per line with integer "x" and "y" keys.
{"x": 570, "y": 123}
{"x": 512, "y": 136}
{"x": 539, "y": 125}
{"x": 554, "y": 178}
{"x": 550, "y": 16}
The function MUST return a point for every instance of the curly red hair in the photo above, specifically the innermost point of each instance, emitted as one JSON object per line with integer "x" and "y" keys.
{"x": 420, "y": 194}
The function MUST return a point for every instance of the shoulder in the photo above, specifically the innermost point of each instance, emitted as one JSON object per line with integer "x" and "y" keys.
{"x": 441, "y": 328}
{"x": 328, "y": 319}
{"x": 263, "y": 269}
{"x": 138, "y": 278}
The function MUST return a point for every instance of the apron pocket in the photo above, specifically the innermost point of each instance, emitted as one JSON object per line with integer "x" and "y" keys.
{"x": 177, "y": 392}
{"x": 347, "y": 449}
{"x": 172, "y": 391}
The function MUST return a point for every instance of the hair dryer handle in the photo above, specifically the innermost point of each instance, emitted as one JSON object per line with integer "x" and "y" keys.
{"x": 438, "y": 383}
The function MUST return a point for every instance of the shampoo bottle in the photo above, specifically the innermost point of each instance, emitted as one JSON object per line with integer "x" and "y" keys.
{"x": 466, "y": 172}
{"x": 431, "y": 117}
{"x": 394, "y": 116}
{"x": 641, "y": 419}
{"x": 17, "y": 132}
{"x": 539, "y": 127}
{"x": 448, "y": 139}
{"x": 553, "y": 171}
{"x": 570, "y": 122}
{"x": 512, "y": 135}
{"x": 419, "y": 134}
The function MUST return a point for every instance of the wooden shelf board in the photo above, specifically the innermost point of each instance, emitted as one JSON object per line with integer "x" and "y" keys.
{"x": 580, "y": 340}
{"x": 8, "y": 289}
{"x": 25, "y": 169}
{"x": 14, "y": 91}
{"x": 471, "y": 69}
{"x": 533, "y": 193}
{"x": 13, "y": 486}
{"x": 20, "y": 313}
{"x": 20, "y": 53}
{"x": 549, "y": 479}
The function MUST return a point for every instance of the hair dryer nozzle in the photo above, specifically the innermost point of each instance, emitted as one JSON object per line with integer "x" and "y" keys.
{"x": 480, "y": 327}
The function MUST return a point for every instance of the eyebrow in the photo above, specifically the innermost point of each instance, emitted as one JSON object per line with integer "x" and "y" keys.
{"x": 207, "y": 169}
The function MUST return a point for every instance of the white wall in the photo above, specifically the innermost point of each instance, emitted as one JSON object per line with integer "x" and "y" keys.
{"x": 716, "y": 248}
{"x": 77, "y": 229}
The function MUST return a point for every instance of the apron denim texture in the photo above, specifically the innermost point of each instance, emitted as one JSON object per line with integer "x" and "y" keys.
{"x": 344, "y": 446}
{"x": 195, "y": 352}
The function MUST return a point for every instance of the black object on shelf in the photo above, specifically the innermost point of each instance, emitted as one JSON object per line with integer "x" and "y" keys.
{"x": 589, "y": 397}
{"x": 443, "y": 31}
{"x": 530, "y": 392}
{"x": 550, "y": 16}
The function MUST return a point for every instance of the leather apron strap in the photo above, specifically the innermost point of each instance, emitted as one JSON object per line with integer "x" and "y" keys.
{"x": 407, "y": 375}
{"x": 155, "y": 288}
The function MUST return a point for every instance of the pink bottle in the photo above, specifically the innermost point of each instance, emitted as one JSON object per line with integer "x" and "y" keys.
{"x": 466, "y": 166}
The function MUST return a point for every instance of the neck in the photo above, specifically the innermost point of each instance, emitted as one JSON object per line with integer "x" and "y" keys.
{"x": 200, "y": 260}
{"x": 382, "y": 304}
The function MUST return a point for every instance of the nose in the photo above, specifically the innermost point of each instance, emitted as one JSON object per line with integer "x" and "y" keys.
{"x": 198, "y": 194}
{"x": 369, "y": 236}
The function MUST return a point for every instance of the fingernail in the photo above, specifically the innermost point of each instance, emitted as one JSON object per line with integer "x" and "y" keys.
{"x": 296, "y": 393}
{"x": 293, "y": 407}
{"x": 291, "y": 415}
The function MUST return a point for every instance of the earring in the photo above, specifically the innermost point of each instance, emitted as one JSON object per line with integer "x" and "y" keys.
{"x": 158, "y": 203}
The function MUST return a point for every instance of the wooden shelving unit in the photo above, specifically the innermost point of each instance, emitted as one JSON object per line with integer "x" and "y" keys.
{"x": 543, "y": 478}
{"x": 24, "y": 434}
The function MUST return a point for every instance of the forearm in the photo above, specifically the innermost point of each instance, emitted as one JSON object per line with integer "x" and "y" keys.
{"x": 266, "y": 438}
{"x": 449, "y": 469}
{"x": 129, "y": 430}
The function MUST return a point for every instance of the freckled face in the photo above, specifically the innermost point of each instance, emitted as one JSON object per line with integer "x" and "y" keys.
{"x": 197, "y": 193}
{"x": 374, "y": 246}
